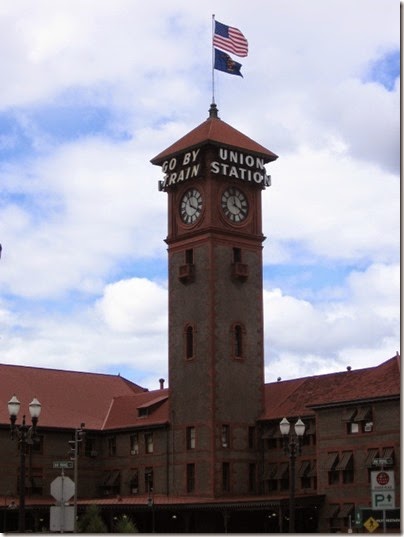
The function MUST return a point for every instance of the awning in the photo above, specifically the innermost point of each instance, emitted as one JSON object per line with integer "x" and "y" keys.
{"x": 282, "y": 470}
{"x": 388, "y": 453}
{"x": 372, "y": 454}
{"x": 331, "y": 461}
{"x": 349, "y": 414}
{"x": 364, "y": 414}
{"x": 304, "y": 468}
{"x": 346, "y": 510}
{"x": 313, "y": 470}
{"x": 331, "y": 511}
{"x": 111, "y": 478}
{"x": 344, "y": 461}
{"x": 273, "y": 432}
{"x": 270, "y": 471}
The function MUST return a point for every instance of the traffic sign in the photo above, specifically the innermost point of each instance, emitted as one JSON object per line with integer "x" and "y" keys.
{"x": 63, "y": 464}
{"x": 371, "y": 524}
{"x": 388, "y": 461}
{"x": 382, "y": 499}
{"x": 62, "y": 518}
{"x": 382, "y": 480}
{"x": 62, "y": 488}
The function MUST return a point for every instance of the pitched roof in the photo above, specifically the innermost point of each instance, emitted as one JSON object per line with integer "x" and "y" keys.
{"x": 68, "y": 398}
{"x": 297, "y": 397}
{"x": 124, "y": 410}
{"x": 215, "y": 131}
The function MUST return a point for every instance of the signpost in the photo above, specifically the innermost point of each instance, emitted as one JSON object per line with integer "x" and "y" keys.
{"x": 371, "y": 524}
{"x": 63, "y": 465}
{"x": 62, "y": 516}
{"x": 382, "y": 490}
{"x": 383, "y": 500}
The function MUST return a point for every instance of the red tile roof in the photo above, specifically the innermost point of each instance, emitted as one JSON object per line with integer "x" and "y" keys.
{"x": 68, "y": 398}
{"x": 124, "y": 411}
{"x": 215, "y": 131}
{"x": 298, "y": 397}
{"x": 106, "y": 402}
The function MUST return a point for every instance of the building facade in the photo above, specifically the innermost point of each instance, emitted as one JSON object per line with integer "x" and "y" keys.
{"x": 205, "y": 454}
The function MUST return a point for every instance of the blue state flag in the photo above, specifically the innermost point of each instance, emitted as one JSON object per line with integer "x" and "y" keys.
{"x": 223, "y": 62}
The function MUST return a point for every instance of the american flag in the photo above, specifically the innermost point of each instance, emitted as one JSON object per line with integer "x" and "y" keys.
{"x": 230, "y": 39}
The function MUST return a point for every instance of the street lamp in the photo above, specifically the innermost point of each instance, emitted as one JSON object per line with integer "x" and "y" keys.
{"x": 25, "y": 435}
{"x": 292, "y": 448}
{"x": 150, "y": 503}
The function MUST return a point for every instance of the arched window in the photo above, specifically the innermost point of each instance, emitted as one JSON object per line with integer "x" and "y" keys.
{"x": 189, "y": 342}
{"x": 238, "y": 341}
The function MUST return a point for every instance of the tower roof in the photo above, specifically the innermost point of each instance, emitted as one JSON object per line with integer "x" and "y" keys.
{"x": 214, "y": 131}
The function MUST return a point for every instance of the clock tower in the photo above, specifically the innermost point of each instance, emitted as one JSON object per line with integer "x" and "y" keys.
{"x": 214, "y": 177}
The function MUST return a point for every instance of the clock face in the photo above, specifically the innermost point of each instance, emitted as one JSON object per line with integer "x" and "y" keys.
{"x": 234, "y": 204}
{"x": 191, "y": 206}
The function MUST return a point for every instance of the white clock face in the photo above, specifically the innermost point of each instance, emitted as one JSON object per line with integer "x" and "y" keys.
{"x": 191, "y": 206}
{"x": 234, "y": 204}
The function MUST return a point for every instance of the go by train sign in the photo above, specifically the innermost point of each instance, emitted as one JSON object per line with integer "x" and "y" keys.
{"x": 226, "y": 162}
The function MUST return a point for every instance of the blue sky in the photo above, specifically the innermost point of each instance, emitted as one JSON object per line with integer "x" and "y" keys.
{"x": 86, "y": 102}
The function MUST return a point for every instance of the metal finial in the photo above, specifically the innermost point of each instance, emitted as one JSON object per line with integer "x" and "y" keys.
{"x": 213, "y": 111}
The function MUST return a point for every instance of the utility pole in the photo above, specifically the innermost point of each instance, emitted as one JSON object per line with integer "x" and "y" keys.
{"x": 74, "y": 456}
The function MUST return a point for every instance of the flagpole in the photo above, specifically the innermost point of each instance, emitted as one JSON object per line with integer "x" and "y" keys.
{"x": 213, "y": 61}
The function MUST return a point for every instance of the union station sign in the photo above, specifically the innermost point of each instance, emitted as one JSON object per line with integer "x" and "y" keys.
{"x": 227, "y": 163}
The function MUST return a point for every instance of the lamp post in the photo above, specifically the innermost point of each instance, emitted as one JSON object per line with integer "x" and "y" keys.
{"x": 150, "y": 503}
{"x": 25, "y": 435}
{"x": 292, "y": 448}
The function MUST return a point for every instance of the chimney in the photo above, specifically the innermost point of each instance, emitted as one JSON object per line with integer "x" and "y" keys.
{"x": 161, "y": 384}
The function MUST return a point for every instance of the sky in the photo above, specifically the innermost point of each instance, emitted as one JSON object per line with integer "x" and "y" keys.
{"x": 91, "y": 91}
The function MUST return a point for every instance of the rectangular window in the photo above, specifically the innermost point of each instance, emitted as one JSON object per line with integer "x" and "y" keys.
{"x": 112, "y": 446}
{"x": 189, "y": 256}
{"x": 190, "y": 477}
{"x": 148, "y": 439}
{"x": 251, "y": 437}
{"x": 89, "y": 447}
{"x": 252, "y": 472}
{"x": 134, "y": 482}
{"x": 190, "y": 437}
{"x": 225, "y": 436}
{"x": 34, "y": 483}
{"x": 272, "y": 485}
{"x": 236, "y": 255}
{"x": 226, "y": 477}
{"x": 37, "y": 446}
{"x": 272, "y": 443}
{"x": 331, "y": 464}
{"x": 148, "y": 479}
{"x": 346, "y": 466}
{"x": 303, "y": 473}
{"x": 353, "y": 428}
{"x": 134, "y": 444}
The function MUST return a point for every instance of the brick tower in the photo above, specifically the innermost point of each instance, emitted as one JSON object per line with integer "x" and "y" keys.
{"x": 214, "y": 177}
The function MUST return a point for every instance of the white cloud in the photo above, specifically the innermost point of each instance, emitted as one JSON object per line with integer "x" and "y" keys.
{"x": 321, "y": 337}
{"x": 81, "y": 219}
{"x": 134, "y": 306}
{"x": 334, "y": 206}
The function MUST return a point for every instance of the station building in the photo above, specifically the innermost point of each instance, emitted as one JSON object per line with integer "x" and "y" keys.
{"x": 205, "y": 454}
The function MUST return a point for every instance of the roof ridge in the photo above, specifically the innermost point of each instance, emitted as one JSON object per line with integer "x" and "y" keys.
{"x": 76, "y": 372}
{"x": 350, "y": 371}
{"x": 108, "y": 413}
